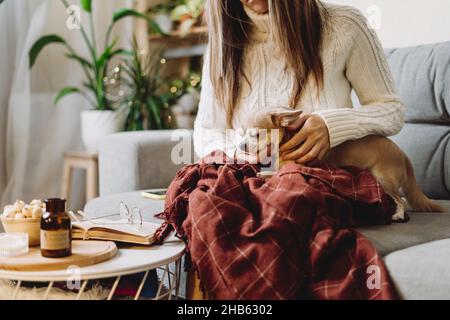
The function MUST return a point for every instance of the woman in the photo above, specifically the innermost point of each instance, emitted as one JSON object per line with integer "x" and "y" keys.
{"x": 303, "y": 54}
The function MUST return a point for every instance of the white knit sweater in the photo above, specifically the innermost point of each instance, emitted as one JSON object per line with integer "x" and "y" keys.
{"x": 353, "y": 59}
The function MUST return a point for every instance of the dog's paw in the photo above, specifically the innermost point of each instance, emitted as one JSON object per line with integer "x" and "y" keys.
{"x": 399, "y": 216}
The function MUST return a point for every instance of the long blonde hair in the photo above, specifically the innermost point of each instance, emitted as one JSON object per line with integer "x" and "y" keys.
{"x": 297, "y": 28}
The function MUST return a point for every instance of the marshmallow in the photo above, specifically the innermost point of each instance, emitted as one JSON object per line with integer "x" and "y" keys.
{"x": 18, "y": 206}
{"x": 37, "y": 203}
{"x": 10, "y": 213}
{"x": 37, "y": 213}
{"x": 27, "y": 211}
{"x": 8, "y": 208}
{"x": 19, "y": 216}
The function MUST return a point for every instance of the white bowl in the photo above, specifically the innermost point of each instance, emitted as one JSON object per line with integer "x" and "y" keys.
{"x": 30, "y": 226}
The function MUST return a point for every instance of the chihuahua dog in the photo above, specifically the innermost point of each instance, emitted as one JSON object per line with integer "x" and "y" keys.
{"x": 383, "y": 158}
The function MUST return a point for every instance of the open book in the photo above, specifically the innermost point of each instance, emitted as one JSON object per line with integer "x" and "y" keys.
{"x": 120, "y": 230}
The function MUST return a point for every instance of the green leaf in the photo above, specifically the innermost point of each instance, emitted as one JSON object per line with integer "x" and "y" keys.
{"x": 106, "y": 55}
{"x": 80, "y": 59}
{"x": 122, "y": 52}
{"x": 89, "y": 86}
{"x": 86, "y": 5}
{"x": 123, "y": 13}
{"x": 156, "y": 111}
{"x": 66, "y": 91}
{"x": 40, "y": 44}
{"x": 154, "y": 27}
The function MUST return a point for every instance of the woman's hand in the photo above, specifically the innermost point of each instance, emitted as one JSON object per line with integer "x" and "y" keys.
{"x": 310, "y": 144}
{"x": 260, "y": 156}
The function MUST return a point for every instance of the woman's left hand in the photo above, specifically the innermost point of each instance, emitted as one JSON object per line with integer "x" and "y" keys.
{"x": 310, "y": 144}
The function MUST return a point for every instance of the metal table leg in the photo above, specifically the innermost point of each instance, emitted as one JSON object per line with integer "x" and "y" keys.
{"x": 114, "y": 287}
{"x": 16, "y": 291}
{"x": 141, "y": 286}
{"x": 50, "y": 286}
{"x": 83, "y": 287}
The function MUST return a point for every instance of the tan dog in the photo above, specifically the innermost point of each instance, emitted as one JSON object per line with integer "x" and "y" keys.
{"x": 382, "y": 157}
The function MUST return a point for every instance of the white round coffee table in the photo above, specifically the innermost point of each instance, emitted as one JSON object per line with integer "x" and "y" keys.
{"x": 128, "y": 261}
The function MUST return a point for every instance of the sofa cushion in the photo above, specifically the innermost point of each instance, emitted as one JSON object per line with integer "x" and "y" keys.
{"x": 422, "y": 76}
{"x": 428, "y": 147}
{"x": 422, "y": 271}
{"x": 421, "y": 228}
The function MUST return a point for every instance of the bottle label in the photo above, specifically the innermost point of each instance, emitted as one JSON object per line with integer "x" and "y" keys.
{"x": 55, "y": 240}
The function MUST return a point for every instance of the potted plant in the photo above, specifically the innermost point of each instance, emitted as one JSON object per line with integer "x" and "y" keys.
{"x": 181, "y": 15}
{"x": 102, "y": 119}
{"x": 154, "y": 102}
{"x": 187, "y": 13}
{"x": 147, "y": 97}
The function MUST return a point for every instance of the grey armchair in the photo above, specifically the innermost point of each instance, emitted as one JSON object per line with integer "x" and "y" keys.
{"x": 139, "y": 160}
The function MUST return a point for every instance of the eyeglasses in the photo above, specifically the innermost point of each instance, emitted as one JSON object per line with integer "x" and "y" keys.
{"x": 133, "y": 217}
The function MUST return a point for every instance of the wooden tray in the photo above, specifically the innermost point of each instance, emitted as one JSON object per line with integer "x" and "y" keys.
{"x": 84, "y": 253}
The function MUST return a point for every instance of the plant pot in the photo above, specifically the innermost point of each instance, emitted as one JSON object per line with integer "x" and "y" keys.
{"x": 95, "y": 125}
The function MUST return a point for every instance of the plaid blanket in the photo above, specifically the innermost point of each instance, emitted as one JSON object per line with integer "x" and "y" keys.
{"x": 289, "y": 237}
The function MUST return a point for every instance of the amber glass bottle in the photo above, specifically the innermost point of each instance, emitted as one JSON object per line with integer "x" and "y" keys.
{"x": 56, "y": 232}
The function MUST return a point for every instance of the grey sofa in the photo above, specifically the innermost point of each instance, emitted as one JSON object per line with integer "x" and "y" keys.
{"x": 417, "y": 253}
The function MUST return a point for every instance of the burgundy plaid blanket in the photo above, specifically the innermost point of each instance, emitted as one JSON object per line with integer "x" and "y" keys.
{"x": 288, "y": 237}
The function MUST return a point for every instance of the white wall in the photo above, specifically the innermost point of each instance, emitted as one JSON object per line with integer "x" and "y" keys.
{"x": 406, "y": 22}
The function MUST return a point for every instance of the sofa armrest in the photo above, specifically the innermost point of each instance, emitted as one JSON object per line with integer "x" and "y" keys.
{"x": 132, "y": 161}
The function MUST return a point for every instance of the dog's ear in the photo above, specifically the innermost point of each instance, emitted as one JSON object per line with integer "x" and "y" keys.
{"x": 282, "y": 117}
{"x": 261, "y": 119}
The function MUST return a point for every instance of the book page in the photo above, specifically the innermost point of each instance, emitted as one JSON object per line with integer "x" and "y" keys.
{"x": 122, "y": 226}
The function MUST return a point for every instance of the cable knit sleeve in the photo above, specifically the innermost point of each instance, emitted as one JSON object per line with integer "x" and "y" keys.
{"x": 367, "y": 70}
{"x": 210, "y": 129}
